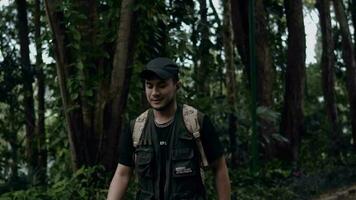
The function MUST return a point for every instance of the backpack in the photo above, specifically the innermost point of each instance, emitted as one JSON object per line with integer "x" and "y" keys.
{"x": 190, "y": 117}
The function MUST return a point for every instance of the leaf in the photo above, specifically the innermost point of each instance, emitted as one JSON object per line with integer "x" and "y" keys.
{"x": 74, "y": 96}
{"x": 280, "y": 138}
{"x": 88, "y": 93}
{"x": 76, "y": 35}
{"x": 80, "y": 65}
{"x": 267, "y": 113}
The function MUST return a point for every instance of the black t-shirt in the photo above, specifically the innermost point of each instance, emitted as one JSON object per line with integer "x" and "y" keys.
{"x": 164, "y": 135}
{"x": 210, "y": 140}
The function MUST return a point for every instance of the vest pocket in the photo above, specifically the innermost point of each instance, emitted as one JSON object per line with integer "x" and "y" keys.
{"x": 144, "y": 195}
{"x": 183, "y": 164}
{"x": 144, "y": 159}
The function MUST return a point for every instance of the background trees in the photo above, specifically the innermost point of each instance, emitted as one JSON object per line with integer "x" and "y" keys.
{"x": 292, "y": 122}
{"x": 349, "y": 60}
{"x": 27, "y": 78}
{"x": 328, "y": 72}
{"x": 69, "y": 85}
{"x": 93, "y": 75}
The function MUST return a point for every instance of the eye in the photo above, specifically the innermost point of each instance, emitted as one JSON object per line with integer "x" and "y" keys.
{"x": 162, "y": 85}
{"x": 149, "y": 85}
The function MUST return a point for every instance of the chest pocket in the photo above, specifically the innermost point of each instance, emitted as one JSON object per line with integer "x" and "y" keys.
{"x": 183, "y": 163}
{"x": 144, "y": 162}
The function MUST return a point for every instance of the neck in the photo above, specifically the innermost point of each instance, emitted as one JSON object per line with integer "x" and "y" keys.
{"x": 167, "y": 114}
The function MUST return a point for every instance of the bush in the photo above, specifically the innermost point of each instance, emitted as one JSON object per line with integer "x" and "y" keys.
{"x": 86, "y": 183}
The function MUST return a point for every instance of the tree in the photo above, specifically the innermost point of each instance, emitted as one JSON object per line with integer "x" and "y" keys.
{"x": 202, "y": 70}
{"x": 11, "y": 118}
{"x": 265, "y": 77}
{"x": 230, "y": 78}
{"x": 327, "y": 67}
{"x": 353, "y": 15}
{"x": 349, "y": 60}
{"x": 265, "y": 73}
{"x": 40, "y": 136}
{"x": 292, "y": 123}
{"x": 239, "y": 18}
{"x": 121, "y": 74}
{"x": 27, "y": 73}
{"x": 93, "y": 73}
{"x": 153, "y": 21}
{"x": 55, "y": 18}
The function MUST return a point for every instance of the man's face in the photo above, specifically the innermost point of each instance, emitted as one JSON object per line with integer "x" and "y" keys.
{"x": 160, "y": 93}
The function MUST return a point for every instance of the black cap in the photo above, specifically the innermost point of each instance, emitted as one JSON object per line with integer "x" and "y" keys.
{"x": 162, "y": 67}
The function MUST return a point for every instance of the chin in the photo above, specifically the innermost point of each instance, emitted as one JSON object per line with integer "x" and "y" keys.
{"x": 155, "y": 105}
{"x": 158, "y": 107}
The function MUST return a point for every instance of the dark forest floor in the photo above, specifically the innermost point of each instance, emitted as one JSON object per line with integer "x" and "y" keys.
{"x": 344, "y": 193}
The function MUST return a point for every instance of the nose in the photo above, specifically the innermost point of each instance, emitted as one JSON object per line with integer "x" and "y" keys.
{"x": 155, "y": 91}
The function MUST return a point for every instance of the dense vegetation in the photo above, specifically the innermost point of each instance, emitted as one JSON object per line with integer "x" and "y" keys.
{"x": 69, "y": 84}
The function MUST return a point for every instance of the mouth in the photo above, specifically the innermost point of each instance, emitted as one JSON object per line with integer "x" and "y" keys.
{"x": 155, "y": 100}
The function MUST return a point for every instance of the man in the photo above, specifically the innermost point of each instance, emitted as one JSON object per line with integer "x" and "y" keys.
{"x": 167, "y": 159}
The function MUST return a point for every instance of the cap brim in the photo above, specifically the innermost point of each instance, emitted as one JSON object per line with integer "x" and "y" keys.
{"x": 149, "y": 73}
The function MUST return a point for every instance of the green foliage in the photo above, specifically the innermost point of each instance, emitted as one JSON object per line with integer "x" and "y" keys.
{"x": 272, "y": 182}
{"x": 172, "y": 31}
{"x": 81, "y": 186}
{"x": 11, "y": 111}
{"x": 85, "y": 183}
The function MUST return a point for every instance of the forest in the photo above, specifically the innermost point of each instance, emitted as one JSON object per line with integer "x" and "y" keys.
{"x": 70, "y": 83}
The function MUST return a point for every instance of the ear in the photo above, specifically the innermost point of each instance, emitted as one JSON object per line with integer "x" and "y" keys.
{"x": 178, "y": 84}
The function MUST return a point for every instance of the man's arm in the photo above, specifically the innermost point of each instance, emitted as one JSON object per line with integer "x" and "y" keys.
{"x": 222, "y": 180}
{"x": 119, "y": 183}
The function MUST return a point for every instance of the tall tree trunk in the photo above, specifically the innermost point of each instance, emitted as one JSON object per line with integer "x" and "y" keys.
{"x": 265, "y": 77}
{"x": 71, "y": 112}
{"x": 349, "y": 60}
{"x": 353, "y": 15}
{"x": 40, "y": 131}
{"x": 120, "y": 78}
{"x": 27, "y": 74}
{"x": 265, "y": 74}
{"x": 87, "y": 42}
{"x": 230, "y": 77}
{"x": 327, "y": 67}
{"x": 239, "y": 18}
{"x": 14, "y": 155}
{"x": 161, "y": 42}
{"x": 292, "y": 124}
{"x": 14, "y": 144}
{"x": 194, "y": 39}
{"x": 204, "y": 55}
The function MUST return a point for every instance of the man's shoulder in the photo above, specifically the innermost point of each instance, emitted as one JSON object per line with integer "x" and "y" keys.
{"x": 191, "y": 108}
{"x": 187, "y": 110}
{"x": 141, "y": 116}
{"x": 137, "y": 126}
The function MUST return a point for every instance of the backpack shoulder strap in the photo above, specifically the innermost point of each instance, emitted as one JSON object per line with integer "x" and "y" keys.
{"x": 139, "y": 124}
{"x": 191, "y": 121}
